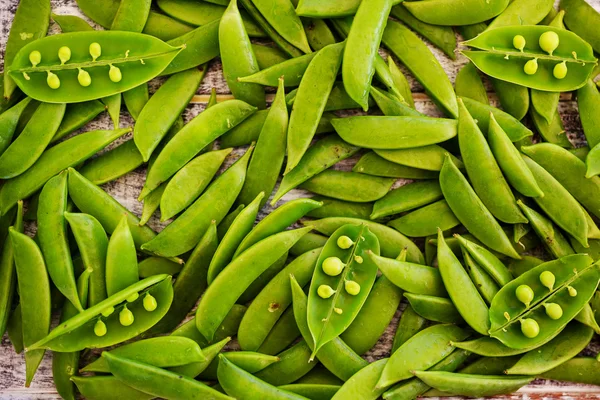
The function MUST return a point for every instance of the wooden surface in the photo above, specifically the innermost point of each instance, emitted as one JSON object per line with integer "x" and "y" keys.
{"x": 126, "y": 190}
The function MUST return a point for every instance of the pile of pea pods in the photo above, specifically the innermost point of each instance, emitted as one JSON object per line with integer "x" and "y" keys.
{"x": 490, "y": 248}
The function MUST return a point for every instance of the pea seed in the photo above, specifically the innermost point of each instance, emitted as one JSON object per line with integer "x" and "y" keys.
{"x": 560, "y": 70}
{"x": 115, "y": 74}
{"x": 547, "y": 278}
{"x": 325, "y": 291}
{"x": 352, "y": 287}
{"x": 358, "y": 259}
{"x": 84, "y": 78}
{"x": 333, "y": 266}
{"x": 549, "y": 41}
{"x": 53, "y": 80}
{"x": 524, "y": 294}
{"x": 338, "y": 310}
{"x": 35, "y": 57}
{"x": 126, "y": 317}
{"x": 344, "y": 242}
{"x": 64, "y": 54}
{"x": 531, "y": 67}
{"x": 106, "y": 313}
{"x": 553, "y": 310}
{"x": 519, "y": 42}
{"x": 100, "y": 328}
{"x": 530, "y": 328}
{"x": 150, "y": 303}
{"x": 572, "y": 291}
{"x": 133, "y": 297}
{"x": 95, "y": 51}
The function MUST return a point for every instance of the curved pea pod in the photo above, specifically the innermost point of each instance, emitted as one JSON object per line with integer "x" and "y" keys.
{"x": 76, "y": 116}
{"x": 331, "y": 9}
{"x": 451, "y": 13}
{"x": 135, "y": 99}
{"x": 433, "y": 308}
{"x": 523, "y": 12}
{"x": 284, "y": 20}
{"x": 592, "y": 162}
{"x": 472, "y": 385}
{"x": 8, "y": 123}
{"x": 489, "y": 347}
{"x": 484, "y": 283}
{"x": 496, "y": 45}
{"x": 519, "y": 267}
{"x": 293, "y": 364}
{"x": 7, "y": 269}
{"x": 391, "y": 105}
{"x": 406, "y": 198}
{"x": 588, "y": 101}
{"x": 225, "y": 224}
{"x": 480, "y": 112}
{"x": 133, "y": 58}
{"x": 291, "y": 70}
{"x": 71, "y": 23}
{"x": 112, "y": 164}
{"x": 426, "y": 220}
{"x": 131, "y": 15}
{"x": 581, "y": 17}
{"x": 80, "y": 331}
{"x": 247, "y": 360}
{"x": 573, "y": 276}
{"x": 107, "y": 387}
{"x": 487, "y": 260}
{"x": 429, "y": 158}
{"x": 340, "y": 208}
{"x": 201, "y": 46}
{"x": 553, "y": 131}
{"x": 268, "y": 56}
{"x": 121, "y": 259}
{"x": 363, "y": 384}
{"x": 350, "y": 186}
{"x": 373, "y": 164}
{"x": 471, "y": 212}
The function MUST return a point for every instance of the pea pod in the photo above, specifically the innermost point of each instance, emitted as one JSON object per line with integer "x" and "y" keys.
{"x": 433, "y": 308}
{"x": 588, "y": 99}
{"x": 391, "y": 105}
{"x": 331, "y": 9}
{"x": 406, "y": 198}
{"x": 7, "y": 265}
{"x": 578, "y": 369}
{"x": 268, "y": 56}
{"x": 76, "y": 116}
{"x": 480, "y": 112}
{"x": 401, "y": 84}
{"x": 429, "y": 158}
{"x": 421, "y": 223}
{"x": 340, "y": 208}
{"x": 121, "y": 259}
{"x": 409, "y": 325}
{"x": 293, "y": 364}
{"x": 107, "y": 386}
{"x": 225, "y": 224}
{"x": 363, "y": 384}
{"x": 211, "y": 353}
{"x": 347, "y": 186}
{"x": 468, "y": 84}
{"x": 247, "y": 360}
{"x": 291, "y": 70}
{"x": 553, "y": 131}
{"x": 484, "y": 283}
{"x": 8, "y": 123}
{"x": 487, "y": 260}
{"x": 112, "y": 164}
{"x": 580, "y": 17}
{"x": 158, "y": 265}
{"x": 489, "y": 347}
{"x": 201, "y": 46}
{"x": 466, "y": 12}
{"x": 373, "y": 164}
{"x": 135, "y": 99}
{"x": 572, "y": 275}
{"x": 472, "y": 385}
{"x": 283, "y": 334}
{"x": 228, "y": 328}
{"x": 312, "y": 391}
{"x": 308, "y": 242}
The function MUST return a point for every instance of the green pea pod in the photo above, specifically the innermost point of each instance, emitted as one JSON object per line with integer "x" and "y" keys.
{"x": 246, "y": 132}
{"x": 588, "y": 99}
{"x": 484, "y": 283}
{"x": 268, "y": 56}
{"x": 308, "y": 242}
{"x": 391, "y": 241}
{"x": 227, "y": 329}
{"x": 480, "y": 112}
{"x": 112, "y": 164}
{"x": 489, "y": 347}
{"x": 330, "y": 9}
{"x": 293, "y": 364}
{"x": 121, "y": 53}
{"x": 429, "y": 158}
{"x": 497, "y": 44}
{"x": 211, "y": 353}
{"x": 318, "y": 33}
{"x": 472, "y": 385}
{"x": 373, "y": 164}
{"x": 338, "y": 99}
{"x": 413, "y": 53}
{"x": 202, "y": 45}
{"x": 506, "y": 310}
{"x": 471, "y": 211}
{"x": 113, "y": 107}
{"x": 282, "y": 17}
{"x": 580, "y": 17}
{"x": 291, "y": 70}
{"x": 586, "y": 317}
{"x": 545, "y": 103}
{"x": 578, "y": 369}
{"x": 27, "y": 148}
{"x": 349, "y": 186}
{"x": 225, "y": 224}
{"x": 320, "y": 156}
{"x": 339, "y": 208}
{"x": 247, "y": 360}
{"x": 121, "y": 259}
{"x": 79, "y": 332}
{"x": 131, "y": 15}
{"x": 53, "y": 240}
{"x": 406, "y": 198}
{"x": 391, "y": 105}
{"x": 267, "y": 159}
{"x": 409, "y": 325}
{"x": 553, "y": 132}
{"x": 466, "y": 12}
{"x": 324, "y": 318}
{"x": 487, "y": 260}
{"x": 189, "y": 182}
{"x": 312, "y": 391}
{"x": 158, "y": 265}
{"x": 426, "y": 220}
{"x": 284, "y": 334}
{"x": 102, "y": 15}
{"x": 519, "y": 267}
{"x": 7, "y": 267}
{"x": 592, "y": 163}
{"x": 433, "y": 308}
{"x": 76, "y": 116}
{"x": 468, "y": 84}
{"x": 401, "y": 84}
{"x": 34, "y": 292}
{"x": 107, "y": 387}
{"x": 363, "y": 384}
{"x": 307, "y": 110}
{"x": 71, "y": 23}
{"x": 489, "y": 365}
{"x": 523, "y": 12}
{"x": 8, "y": 123}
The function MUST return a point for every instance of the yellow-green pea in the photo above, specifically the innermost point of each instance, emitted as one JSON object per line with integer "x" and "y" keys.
{"x": 325, "y": 291}
{"x": 553, "y": 310}
{"x": 333, "y": 266}
{"x": 549, "y": 41}
{"x": 524, "y": 294}
{"x": 530, "y": 328}
{"x": 107, "y": 312}
{"x": 84, "y": 78}
{"x": 95, "y": 51}
{"x": 53, "y": 80}
{"x": 572, "y": 291}
{"x": 358, "y": 259}
{"x": 133, "y": 297}
{"x": 35, "y": 57}
{"x": 100, "y": 328}
{"x": 150, "y": 303}
{"x": 519, "y": 42}
{"x": 115, "y": 74}
{"x": 344, "y": 242}
{"x": 126, "y": 317}
{"x": 338, "y": 310}
{"x": 352, "y": 287}
{"x": 548, "y": 279}
{"x": 560, "y": 70}
{"x": 64, "y": 54}
{"x": 531, "y": 67}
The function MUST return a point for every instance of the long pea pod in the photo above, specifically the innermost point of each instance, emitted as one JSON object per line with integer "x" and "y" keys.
{"x": 581, "y": 17}
{"x": 429, "y": 158}
{"x": 247, "y": 360}
{"x": 578, "y": 369}
{"x": 225, "y": 224}
{"x": 588, "y": 99}
{"x": 8, "y": 123}
{"x": 291, "y": 70}
{"x": 409, "y": 325}
{"x": 210, "y": 353}
{"x": 76, "y": 116}
{"x": 112, "y": 164}
{"x": 464, "y": 12}
{"x": 392, "y": 105}
{"x": 400, "y": 82}
{"x": 406, "y": 198}
{"x": 340, "y": 208}
{"x": 522, "y": 12}
{"x": 293, "y": 364}
{"x": 487, "y": 260}
{"x": 484, "y": 283}
{"x": 489, "y": 347}
{"x": 472, "y": 385}
{"x": 284, "y": 333}
{"x": 331, "y": 9}
{"x": 433, "y": 308}
{"x": 131, "y": 15}
{"x": 282, "y": 17}
{"x": 121, "y": 259}
{"x": 7, "y": 266}
{"x": 421, "y": 223}
{"x": 268, "y": 56}
{"x": 308, "y": 242}
{"x": 364, "y": 383}
{"x": 468, "y": 84}
{"x": 373, "y": 164}
{"x": 135, "y": 99}
{"x": 553, "y": 131}
{"x": 158, "y": 265}
{"x": 312, "y": 390}
{"x": 107, "y": 386}
{"x": 202, "y": 45}
{"x": 113, "y": 107}
{"x": 349, "y": 186}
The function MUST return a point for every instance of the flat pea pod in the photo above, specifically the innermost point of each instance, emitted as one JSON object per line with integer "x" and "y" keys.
{"x": 202, "y": 45}
{"x": 30, "y": 23}
{"x": 373, "y": 164}
{"x": 291, "y": 70}
{"x": 522, "y": 12}
{"x": 78, "y": 332}
{"x": 419, "y": 223}
{"x": 413, "y": 53}
{"x": 284, "y": 333}
{"x": 433, "y": 308}
{"x": 349, "y": 186}
{"x": 420, "y": 352}
{"x": 284, "y": 20}
{"x": 267, "y": 158}
{"x": 308, "y": 109}
{"x": 556, "y": 200}
{"x": 411, "y": 277}
{"x": 103, "y": 16}
{"x": 553, "y": 131}
{"x": 406, "y": 198}
{"x": 362, "y": 385}
{"x": 189, "y": 182}
{"x": 468, "y": 84}
{"x": 429, "y": 158}
{"x": 308, "y": 242}
{"x": 489, "y": 347}
{"x": 8, "y": 123}
{"x": 158, "y": 265}
{"x": 320, "y": 376}
{"x": 338, "y": 98}
{"x": 131, "y": 15}
{"x": 53, "y": 240}
{"x": 409, "y": 325}
{"x": 269, "y": 306}
{"x": 293, "y": 364}
{"x": 401, "y": 84}
{"x": 76, "y": 116}
{"x": 268, "y": 56}
{"x": 587, "y": 318}
{"x": 187, "y": 143}
{"x": 246, "y": 132}
{"x": 487, "y": 260}
{"x": 578, "y": 369}
{"x": 225, "y": 224}
{"x": 472, "y": 385}
{"x": 480, "y": 112}
{"x": 390, "y": 241}
{"x": 318, "y": 157}
{"x": 121, "y": 259}
{"x": 71, "y": 23}
{"x": 573, "y": 275}
{"x": 113, "y": 107}
{"x": 7, "y": 268}
{"x": 103, "y": 387}
{"x": 331, "y": 9}
{"x": 465, "y": 12}
{"x": 34, "y": 292}
{"x": 14, "y": 330}
{"x": 247, "y": 360}
{"x": 489, "y": 365}
{"x": 161, "y": 111}
{"x": 183, "y": 234}
{"x": 122, "y": 51}
{"x": 340, "y": 208}
{"x": 211, "y": 353}
{"x": 496, "y": 44}
{"x": 27, "y": 148}
{"x": 484, "y": 283}
{"x": 135, "y": 99}
{"x": 588, "y": 99}
{"x": 573, "y": 339}
{"x": 92, "y": 243}
{"x": 318, "y": 33}
{"x": 580, "y": 17}
{"x": 157, "y": 381}
{"x": 470, "y": 210}
{"x": 391, "y": 105}
{"x": 312, "y": 391}
{"x": 112, "y": 164}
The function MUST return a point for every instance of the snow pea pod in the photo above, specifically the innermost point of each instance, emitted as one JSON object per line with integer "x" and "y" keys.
{"x": 391, "y": 105}
{"x": 308, "y": 109}
{"x": 489, "y": 347}
{"x": 202, "y": 45}
{"x": 113, "y": 164}
{"x": 225, "y": 224}
{"x": 227, "y": 329}
{"x": 588, "y": 101}
{"x": 362, "y": 385}
{"x": 578, "y": 369}
{"x": 484, "y": 283}
{"x": 468, "y": 84}
{"x": 489, "y": 365}
{"x": 550, "y": 235}
{"x": 581, "y": 17}
{"x": 76, "y": 116}
{"x": 522, "y": 12}
{"x": 210, "y": 353}
{"x": 51, "y": 162}
{"x": 8, "y": 123}
{"x": 293, "y": 364}
{"x": 7, "y": 268}
{"x": 480, "y": 112}
{"x": 426, "y": 220}
{"x": 135, "y": 99}
{"x": 330, "y": 9}
{"x": 268, "y": 56}
{"x": 158, "y": 265}
{"x": 472, "y": 385}
{"x": 373, "y": 164}
{"x": 246, "y": 132}
{"x": 308, "y": 242}
{"x": 291, "y": 70}
{"x": 338, "y": 99}
{"x": 107, "y": 387}
{"x": 429, "y": 158}
{"x": 409, "y": 325}
{"x": 350, "y": 186}
{"x": 339, "y": 208}
{"x": 553, "y": 132}
{"x": 284, "y": 333}
{"x": 519, "y": 267}
{"x": 312, "y": 391}
{"x": 486, "y": 260}
{"x": 121, "y": 259}
{"x": 433, "y": 308}
{"x": 71, "y": 23}
{"x": 406, "y": 198}
{"x": 401, "y": 84}
{"x": 113, "y": 107}
{"x": 131, "y": 15}
{"x": 247, "y": 360}
{"x": 282, "y": 17}
{"x": 452, "y": 13}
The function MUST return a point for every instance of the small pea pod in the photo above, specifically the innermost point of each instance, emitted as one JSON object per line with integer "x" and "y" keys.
{"x": 121, "y": 259}
{"x": 373, "y": 164}
{"x": 293, "y": 364}
{"x": 409, "y": 325}
{"x": 429, "y": 158}
{"x": 113, "y": 107}
{"x": 135, "y": 99}
{"x": 484, "y": 283}
{"x": 112, "y": 164}
{"x": 350, "y": 186}
{"x": 268, "y": 56}
{"x": 227, "y": 329}
{"x": 487, "y": 260}
{"x": 480, "y": 112}
{"x": 553, "y": 131}
{"x": 426, "y": 220}
{"x": 225, "y": 224}
{"x": 211, "y": 353}
{"x": 391, "y": 105}
{"x": 107, "y": 387}
{"x": 447, "y": 12}
{"x": 472, "y": 385}
{"x": 8, "y": 123}
{"x": 433, "y": 308}
{"x": 71, "y": 23}
{"x": 578, "y": 369}
{"x": 291, "y": 70}
{"x": 581, "y": 17}
{"x": 76, "y": 116}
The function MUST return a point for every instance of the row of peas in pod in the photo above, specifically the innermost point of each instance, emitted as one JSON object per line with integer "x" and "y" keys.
{"x": 480, "y": 226}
